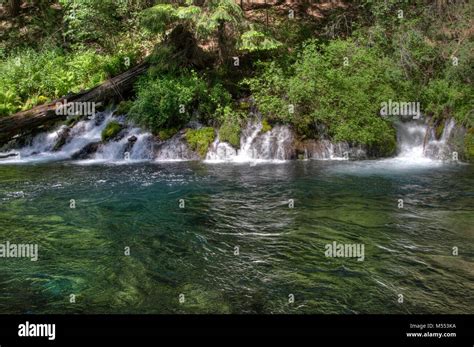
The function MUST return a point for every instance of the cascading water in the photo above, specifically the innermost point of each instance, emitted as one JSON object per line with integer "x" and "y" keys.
{"x": 83, "y": 141}
{"x": 327, "y": 150}
{"x": 439, "y": 149}
{"x": 417, "y": 144}
{"x": 134, "y": 145}
{"x": 410, "y": 139}
{"x": 174, "y": 149}
{"x": 275, "y": 145}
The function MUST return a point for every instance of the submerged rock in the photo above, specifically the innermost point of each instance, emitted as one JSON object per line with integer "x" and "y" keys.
{"x": 8, "y": 155}
{"x": 87, "y": 151}
{"x": 63, "y": 135}
{"x": 130, "y": 143}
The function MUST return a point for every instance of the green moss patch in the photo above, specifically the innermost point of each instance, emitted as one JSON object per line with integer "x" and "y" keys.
{"x": 230, "y": 132}
{"x": 111, "y": 130}
{"x": 266, "y": 126}
{"x": 469, "y": 146}
{"x": 165, "y": 134}
{"x": 200, "y": 139}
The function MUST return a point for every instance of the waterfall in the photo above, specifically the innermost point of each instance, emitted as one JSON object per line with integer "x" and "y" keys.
{"x": 417, "y": 144}
{"x": 134, "y": 145}
{"x": 410, "y": 140}
{"x": 439, "y": 149}
{"x": 83, "y": 141}
{"x": 174, "y": 149}
{"x": 273, "y": 145}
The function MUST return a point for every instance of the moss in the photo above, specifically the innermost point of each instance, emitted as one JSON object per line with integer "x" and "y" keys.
{"x": 124, "y": 107}
{"x": 469, "y": 145}
{"x": 439, "y": 130}
{"x": 390, "y": 146}
{"x": 70, "y": 122}
{"x": 200, "y": 139}
{"x": 265, "y": 126}
{"x": 244, "y": 105}
{"x": 230, "y": 132}
{"x": 62, "y": 139}
{"x": 167, "y": 133}
{"x": 111, "y": 130}
{"x": 384, "y": 148}
{"x": 42, "y": 99}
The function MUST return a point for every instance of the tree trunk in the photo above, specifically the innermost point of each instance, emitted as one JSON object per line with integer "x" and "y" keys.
{"x": 14, "y": 7}
{"x": 221, "y": 42}
{"x": 25, "y": 122}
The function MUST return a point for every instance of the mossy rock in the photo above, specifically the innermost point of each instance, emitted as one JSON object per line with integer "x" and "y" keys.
{"x": 200, "y": 139}
{"x": 124, "y": 107}
{"x": 244, "y": 105}
{"x": 439, "y": 130}
{"x": 111, "y": 130}
{"x": 165, "y": 134}
{"x": 70, "y": 122}
{"x": 266, "y": 126}
{"x": 385, "y": 148}
{"x": 63, "y": 136}
{"x": 230, "y": 132}
{"x": 469, "y": 145}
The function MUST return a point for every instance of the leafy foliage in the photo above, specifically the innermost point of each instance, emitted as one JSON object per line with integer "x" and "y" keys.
{"x": 30, "y": 77}
{"x": 321, "y": 89}
{"x": 254, "y": 40}
{"x": 231, "y": 127}
{"x": 171, "y": 101}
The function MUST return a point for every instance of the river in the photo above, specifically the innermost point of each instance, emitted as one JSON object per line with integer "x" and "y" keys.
{"x": 244, "y": 237}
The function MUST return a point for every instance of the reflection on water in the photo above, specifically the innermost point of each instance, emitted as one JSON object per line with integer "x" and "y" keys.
{"x": 236, "y": 246}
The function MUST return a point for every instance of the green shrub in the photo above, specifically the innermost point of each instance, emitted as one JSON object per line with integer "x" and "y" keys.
{"x": 124, "y": 107}
{"x": 200, "y": 139}
{"x": 230, "y": 132}
{"x": 111, "y": 130}
{"x": 30, "y": 78}
{"x": 320, "y": 89}
{"x": 231, "y": 125}
{"x": 165, "y": 102}
{"x": 443, "y": 99}
{"x": 171, "y": 101}
{"x": 253, "y": 40}
{"x": 92, "y": 21}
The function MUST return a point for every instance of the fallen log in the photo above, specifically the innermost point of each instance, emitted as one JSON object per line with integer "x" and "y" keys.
{"x": 26, "y": 122}
{"x": 8, "y": 155}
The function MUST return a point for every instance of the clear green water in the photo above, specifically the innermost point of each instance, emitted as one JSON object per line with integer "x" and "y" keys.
{"x": 190, "y": 251}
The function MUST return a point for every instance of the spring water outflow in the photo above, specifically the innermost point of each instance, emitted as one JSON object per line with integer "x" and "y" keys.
{"x": 275, "y": 144}
{"x": 417, "y": 143}
{"x": 133, "y": 143}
